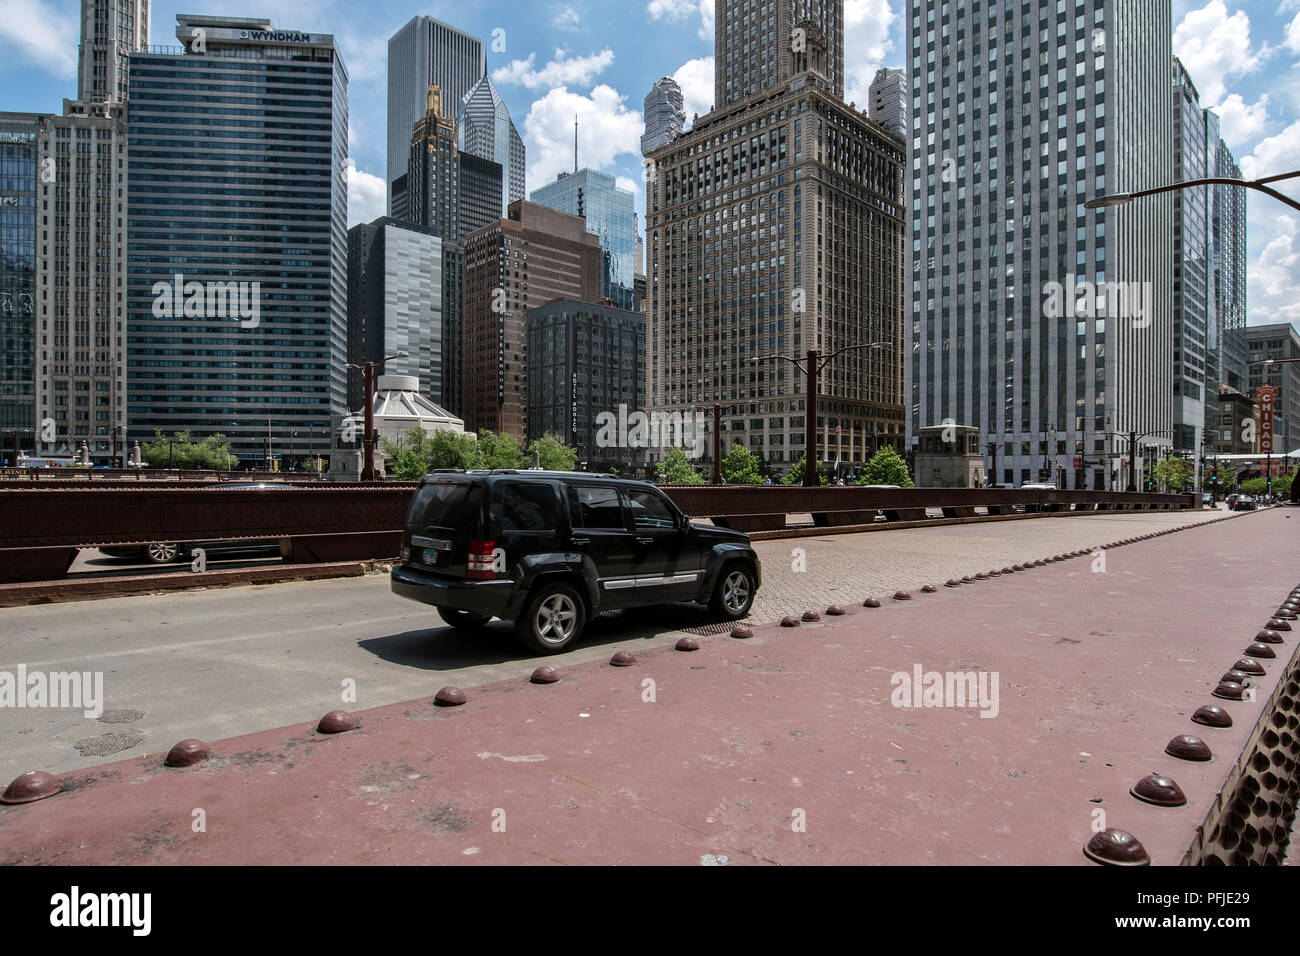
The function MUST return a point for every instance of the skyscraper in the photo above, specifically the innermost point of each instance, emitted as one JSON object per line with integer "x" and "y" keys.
{"x": 111, "y": 30}
{"x": 484, "y": 128}
{"x": 665, "y": 114}
{"x": 395, "y": 304}
{"x": 1046, "y": 324}
{"x": 534, "y": 257}
{"x": 888, "y": 100}
{"x": 611, "y": 216}
{"x": 424, "y": 53}
{"x": 18, "y": 190}
{"x": 1228, "y": 244}
{"x": 237, "y": 235}
{"x": 775, "y": 226}
{"x": 1193, "y": 297}
{"x": 759, "y": 46}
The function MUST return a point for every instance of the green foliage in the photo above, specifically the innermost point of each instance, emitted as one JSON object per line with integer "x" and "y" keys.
{"x": 676, "y": 469}
{"x": 212, "y": 453}
{"x": 886, "y": 467}
{"x": 416, "y": 452}
{"x": 1175, "y": 474}
{"x": 795, "y": 475}
{"x": 1259, "y": 486}
{"x": 498, "y": 451}
{"x": 552, "y": 454}
{"x": 741, "y": 466}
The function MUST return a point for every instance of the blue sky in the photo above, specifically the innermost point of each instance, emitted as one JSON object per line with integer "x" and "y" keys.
{"x": 597, "y": 59}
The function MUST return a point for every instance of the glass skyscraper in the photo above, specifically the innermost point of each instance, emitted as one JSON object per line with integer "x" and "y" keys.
{"x": 484, "y": 128}
{"x": 1191, "y": 268}
{"x": 665, "y": 114}
{"x": 611, "y": 215}
{"x": 18, "y": 171}
{"x": 236, "y": 236}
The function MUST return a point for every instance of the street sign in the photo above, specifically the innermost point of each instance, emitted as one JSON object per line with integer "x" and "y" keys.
{"x": 1078, "y": 462}
{"x": 1267, "y": 395}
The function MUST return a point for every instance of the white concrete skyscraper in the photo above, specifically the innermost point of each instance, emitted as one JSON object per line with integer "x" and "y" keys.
{"x": 110, "y": 31}
{"x": 888, "y": 100}
{"x": 1046, "y": 324}
{"x": 665, "y": 114}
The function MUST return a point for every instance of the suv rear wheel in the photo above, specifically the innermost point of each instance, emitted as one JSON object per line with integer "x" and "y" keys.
{"x": 553, "y": 618}
{"x": 733, "y": 594}
{"x": 463, "y": 620}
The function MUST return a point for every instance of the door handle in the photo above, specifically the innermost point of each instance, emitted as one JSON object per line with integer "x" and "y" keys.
{"x": 580, "y": 540}
{"x": 645, "y": 540}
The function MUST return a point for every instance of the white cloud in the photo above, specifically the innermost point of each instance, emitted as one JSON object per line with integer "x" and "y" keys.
{"x": 1215, "y": 46}
{"x": 695, "y": 77}
{"x": 367, "y": 195}
{"x": 1293, "y": 35}
{"x": 561, "y": 71}
{"x": 866, "y": 44}
{"x": 1242, "y": 123}
{"x": 607, "y": 129}
{"x": 41, "y": 35}
{"x": 675, "y": 11}
{"x": 1273, "y": 274}
{"x": 565, "y": 17}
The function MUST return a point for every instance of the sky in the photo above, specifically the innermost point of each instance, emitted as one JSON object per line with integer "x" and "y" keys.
{"x": 598, "y": 59}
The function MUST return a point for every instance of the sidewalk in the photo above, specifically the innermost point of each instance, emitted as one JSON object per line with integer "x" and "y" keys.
{"x": 783, "y": 748}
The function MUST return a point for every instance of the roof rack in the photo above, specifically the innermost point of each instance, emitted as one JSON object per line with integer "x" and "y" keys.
{"x": 533, "y": 472}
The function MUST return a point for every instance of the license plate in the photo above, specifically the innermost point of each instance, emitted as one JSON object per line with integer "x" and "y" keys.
{"x": 431, "y": 556}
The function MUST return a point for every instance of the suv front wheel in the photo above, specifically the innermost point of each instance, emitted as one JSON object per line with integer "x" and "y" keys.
{"x": 733, "y": 594}
{"x": 553, "y": 619}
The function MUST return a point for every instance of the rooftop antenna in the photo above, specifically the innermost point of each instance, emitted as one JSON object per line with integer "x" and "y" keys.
{"x": 575, "y": 142}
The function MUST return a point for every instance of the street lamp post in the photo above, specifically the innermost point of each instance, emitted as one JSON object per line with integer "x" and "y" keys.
{"x": 717, "y": 410}
{"x": 368, "y": 372}
{"x": 815, "y": 364}
{"x": 1120, "y": 199}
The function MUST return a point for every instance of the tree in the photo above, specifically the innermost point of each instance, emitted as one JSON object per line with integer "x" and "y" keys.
{"x": 553, "y": 454}
{"x": 676, "y": 469}
{"x": 497, "y": 451}
{"x": 795, "y": 475}
{"x": 212, "y": 453}
{"x": 741, "y": 467}
{"x": 886, "y": 467}
{"x": 1175, "y": 474}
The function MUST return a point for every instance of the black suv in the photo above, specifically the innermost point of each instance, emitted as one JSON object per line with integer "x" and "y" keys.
{"x": 549, "y": 550}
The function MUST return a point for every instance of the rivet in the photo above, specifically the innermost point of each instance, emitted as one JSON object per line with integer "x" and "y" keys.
{"x": 1250, "y": 667}
{"x": 835, "y": 611}
{"x": 1017, "y": 567}
{"x": 187, "y": 753}
{"x": 544, "y": 675}
{"x": 1261, "y": 650}
{"x": 622, "y": 659}
{"x": 1187, "y": 747}
{"x": 993, "y": 573}
{"x": 450, "y": 697}
{"x": 902, "y": 596}
{"x": 789, "y": 621}
{"x": 952, "y": 583}
{"x": 1269, "y": 637}
{"x": 871, "y": 602}
{"x": 336, "y": 722}
{"x": 1008, "y": 571}
{"x": 1212, "y": 715}
{"x": 928, "y": 589}
{"x": 31, "y": 786}
{"x": 981, "y": 576}
{"x": 1229, "y": 690}
{"x": 687, "y": 644}
{"x": 1159, "y": 790}
{"x": 742, "y": 633}
{"x": 1112, "y": 847}
{"x": 812, "y": 617}
{"x": 967, "y": 579}
{"x": 1238, "y": 677}
{"x": 1277, "y": 624}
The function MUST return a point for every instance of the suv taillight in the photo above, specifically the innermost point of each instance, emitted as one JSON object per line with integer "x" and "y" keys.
{"x": 481, "y": 563}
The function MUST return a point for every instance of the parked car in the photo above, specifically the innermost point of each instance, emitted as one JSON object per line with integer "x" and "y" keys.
{"x": 167, "y": 552}
{"x": 1207, "y": 499}
{"x": 550, "y": 550}
{"x": 1244, "y": 503}
{"x": 1039, "y": 486}
{"x": 1231, "y": 500}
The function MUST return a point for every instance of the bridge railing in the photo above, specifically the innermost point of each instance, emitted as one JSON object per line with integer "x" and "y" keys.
{"x": 42, "y": 525}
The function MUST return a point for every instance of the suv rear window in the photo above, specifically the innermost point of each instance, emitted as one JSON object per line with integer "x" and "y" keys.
{"x": 452, "y": 506}
{"x": 593, "y": 507}
{"x": 525, "y": 507}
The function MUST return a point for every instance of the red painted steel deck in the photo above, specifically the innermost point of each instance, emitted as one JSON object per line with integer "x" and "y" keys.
{"x": 1096, "y": 673}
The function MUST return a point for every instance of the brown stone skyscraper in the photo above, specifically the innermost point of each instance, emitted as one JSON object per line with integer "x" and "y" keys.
{"x": 757, "y": 47}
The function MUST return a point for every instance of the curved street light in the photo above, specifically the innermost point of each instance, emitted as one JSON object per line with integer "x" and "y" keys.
{"x": 368, "y": 370}
{"x": 1121, "y": 199}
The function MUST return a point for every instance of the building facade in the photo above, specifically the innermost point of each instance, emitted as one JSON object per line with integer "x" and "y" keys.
{"x": 775, "y": 227}
{"x": 237, "y": 284}
{"x": 395, "y": 304}
{"x": 888, "y": 97}
{"x": 19, "y": 179}
{"x": 585, "y": 361}
{"x": 1228, "y": 241}
{"x": 424, "y": 53}
{"x": 759, "y": 45}
{"x": 1276, "y": 342}
{"x": 1047, "y": 325}
{"x": 111, "y": 30}
{"x": 534, "y": 257}
{"x": 484, "y": 128}
{"x": 611, "y": 216}
{"x": 665, "y": 114}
